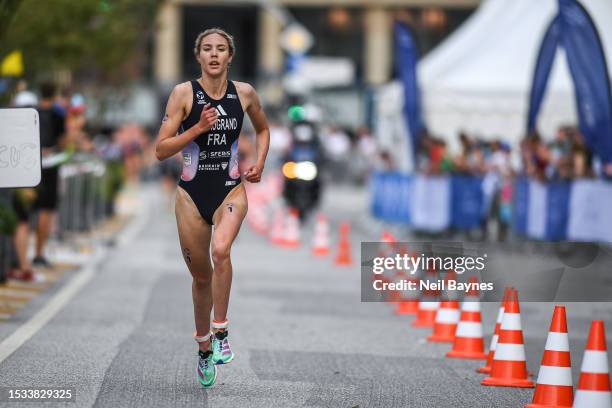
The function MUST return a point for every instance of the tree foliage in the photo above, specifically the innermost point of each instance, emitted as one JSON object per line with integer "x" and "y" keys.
{"x": 93, "y": 36}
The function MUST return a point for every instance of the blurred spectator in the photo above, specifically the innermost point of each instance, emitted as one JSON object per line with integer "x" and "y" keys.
{"x": 22, "y": 203}
{"x": 461, "y": 160}
{"x": 364, "y": 151}
{"x": 280, "y": 141}
{"x": 581, "y": 156}
{"x": 386, "y": 161}
{"x": 170, "y": 171}
{"x": 536, "y": 156}
{"x": 110, "y": 151}
{"x": 337, "y": 146}
{"x": 52, "y": 132}
{"x": 76, "y": 121}
{"x": 133, "y": 141}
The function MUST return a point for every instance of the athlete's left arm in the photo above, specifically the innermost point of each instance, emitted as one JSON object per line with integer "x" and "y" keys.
{"x": 262, "y": 134}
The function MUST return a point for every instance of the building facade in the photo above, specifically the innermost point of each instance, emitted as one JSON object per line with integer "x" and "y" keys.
{"x": 361, "y": 31}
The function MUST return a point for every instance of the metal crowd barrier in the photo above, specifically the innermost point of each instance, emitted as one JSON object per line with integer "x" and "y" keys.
{"x": 82, "y": 200}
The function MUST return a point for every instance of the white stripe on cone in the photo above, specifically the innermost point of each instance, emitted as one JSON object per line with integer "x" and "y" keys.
{"x": 509, "y": 352}
{"x": 447, "y": 315}
{"x": 511, "y": 321}
{"x": 429, "y": 305}
{"x": 552, "y": 375}
{"x": 468, "y": 306}
{"x": 592, "y": 399}
{"x": 595, "y": 362}
{"x": 557, "y": 342}
{"x": 494, "y": 342}
{"x": 469, "y": 329}
{"x": 500, "y": 316}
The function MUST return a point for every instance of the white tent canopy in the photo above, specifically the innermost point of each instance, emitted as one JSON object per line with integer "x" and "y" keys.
{"x": 479, "y": 79}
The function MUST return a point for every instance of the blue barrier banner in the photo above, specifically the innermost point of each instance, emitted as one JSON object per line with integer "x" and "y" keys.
{"x": 467, "y": 202}
{"x": 431, "y": 203}
{"x": 520, "y": 204}
{"x": 590, "y": 218}
{"x": 536, "y": 210}
{"x": 391, "y": 196}
{"x": 375, "y": 195}
{"x": 406, "y": 58}
{"x": 587, "y": 63}
{"x": 558, "y": 199}
{"x": 546, "y": 57}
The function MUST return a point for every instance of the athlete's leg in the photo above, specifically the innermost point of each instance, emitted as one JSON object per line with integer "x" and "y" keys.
{"x": 227, "y": 219}
{"x": 194, "y": 237}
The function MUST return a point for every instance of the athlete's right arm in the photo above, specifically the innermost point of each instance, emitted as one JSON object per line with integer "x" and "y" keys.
{"x": 168, "y": 141}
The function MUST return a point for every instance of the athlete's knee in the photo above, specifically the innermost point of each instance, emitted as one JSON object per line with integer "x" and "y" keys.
{"x": 220, "y": 252}
{"x": 202, "y": 280}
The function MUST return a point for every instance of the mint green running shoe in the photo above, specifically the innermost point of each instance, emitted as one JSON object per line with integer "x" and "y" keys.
{"x": 206, "y": 370}
{"x": 222, "y": 353}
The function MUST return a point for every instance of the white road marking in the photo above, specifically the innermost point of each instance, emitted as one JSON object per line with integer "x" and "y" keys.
{"x": 10, "y": 344}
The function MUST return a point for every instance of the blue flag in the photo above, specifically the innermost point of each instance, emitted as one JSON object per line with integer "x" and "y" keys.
{"x": 544, "y": 63}
{"x": 575, "y": 31}
{"x": 406, "y": 58}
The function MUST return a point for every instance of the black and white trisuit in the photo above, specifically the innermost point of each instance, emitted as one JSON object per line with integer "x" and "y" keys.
{"x": 210, "y": 161}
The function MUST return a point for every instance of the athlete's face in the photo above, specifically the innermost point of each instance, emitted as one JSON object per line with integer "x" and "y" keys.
{"x": 214, "y": 55}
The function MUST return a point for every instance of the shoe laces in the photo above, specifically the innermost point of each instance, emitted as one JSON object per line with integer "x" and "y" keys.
{"x": 222, "y": 342}
{"x": 204, "y": 359}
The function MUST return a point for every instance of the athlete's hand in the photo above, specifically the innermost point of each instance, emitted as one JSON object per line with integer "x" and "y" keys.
{"x": 208, "y": 118}
{"x": 253, "y": 174}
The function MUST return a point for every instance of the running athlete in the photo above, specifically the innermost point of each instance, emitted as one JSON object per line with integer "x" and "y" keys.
{"x": 203, "y": 119}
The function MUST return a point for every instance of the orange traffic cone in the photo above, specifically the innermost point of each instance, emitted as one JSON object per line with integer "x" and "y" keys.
{"x": 292, "y": 230}
{"x": 486, "y": 369}
{"x": 344, "y": 246}
{"x": 409, "y": 302}
{"x": 447, "y": 317}
{"x": 429, "y": 304}
{"x": 405, "y": 307}
{"x": 593, "y": 388}
{"x": 509, "y": 366}
{"x": 387, "y": 245}
{"x": 278, "y": 230}
{"x": 554, "y": 385}
{"x": 469, "y": 342}
{"x": 320, "y": 243}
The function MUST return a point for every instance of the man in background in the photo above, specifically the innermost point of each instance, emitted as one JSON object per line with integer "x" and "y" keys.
{"x": 52, "y": 130}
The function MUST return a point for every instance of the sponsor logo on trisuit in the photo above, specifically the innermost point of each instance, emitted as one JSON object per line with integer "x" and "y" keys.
{"x": 200, "y": 97}
{"x": 230, "y": 182}
{"x": 224, "y": 165}
{"x": 220, "y": 110}
{"x": 220, "y": 154}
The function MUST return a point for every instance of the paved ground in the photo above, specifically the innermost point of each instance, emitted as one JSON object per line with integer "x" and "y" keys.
{"x": 301, "y": 335}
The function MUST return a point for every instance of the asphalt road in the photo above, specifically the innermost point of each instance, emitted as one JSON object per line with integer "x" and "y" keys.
{"x": 301, "y": 335}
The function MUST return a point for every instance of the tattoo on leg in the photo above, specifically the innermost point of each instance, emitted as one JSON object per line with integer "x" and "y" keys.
{"x": 230, "y": 206}
{"x": 187, "y": 254}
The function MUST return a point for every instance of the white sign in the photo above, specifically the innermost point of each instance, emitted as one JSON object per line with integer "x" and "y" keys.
{"x": 19, "y": 147}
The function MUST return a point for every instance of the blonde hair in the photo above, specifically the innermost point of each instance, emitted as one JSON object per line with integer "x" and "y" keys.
{"x": 214, "y": 30}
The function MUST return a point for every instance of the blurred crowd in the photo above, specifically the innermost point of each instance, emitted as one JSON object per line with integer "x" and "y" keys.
{"x": 565, "y": 158}
{"x": 66, "y": 137}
